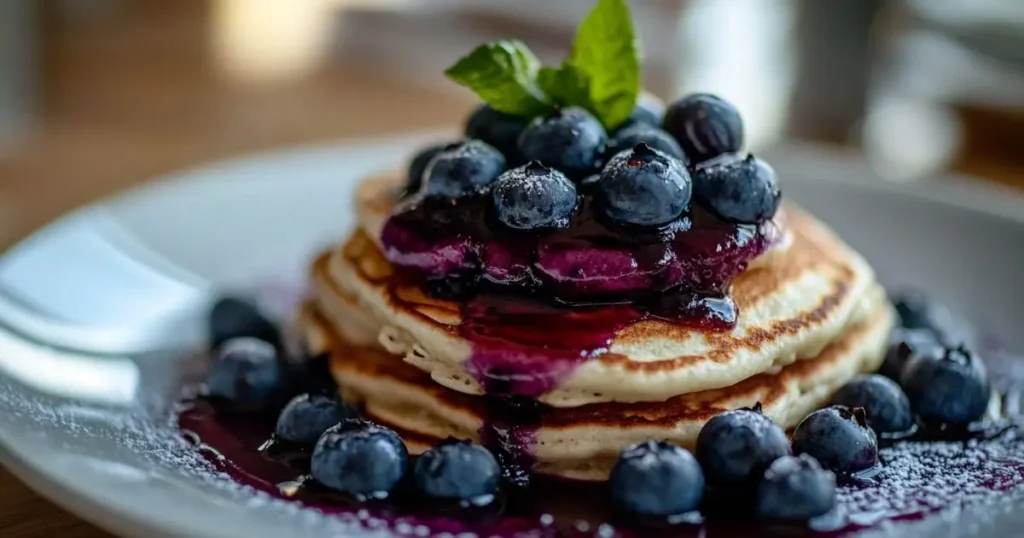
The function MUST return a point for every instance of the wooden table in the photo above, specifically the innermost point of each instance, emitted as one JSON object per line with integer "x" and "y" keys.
{"x": 23, "y": 513}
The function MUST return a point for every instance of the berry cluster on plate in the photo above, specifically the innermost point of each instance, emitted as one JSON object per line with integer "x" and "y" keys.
{"x": 940, "y": 390}
{"x": 664, "y": 205}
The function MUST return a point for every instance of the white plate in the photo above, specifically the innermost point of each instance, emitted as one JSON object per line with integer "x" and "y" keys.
{"x": 96, "y": 309}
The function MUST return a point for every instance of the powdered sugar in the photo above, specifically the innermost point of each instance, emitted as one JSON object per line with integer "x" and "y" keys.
{"x": 918, "y": 478}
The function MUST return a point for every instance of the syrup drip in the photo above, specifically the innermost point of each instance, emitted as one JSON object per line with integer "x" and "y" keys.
{"x": 523, "y": 348}
{"x": 536, "y": 306}
{"x": 459, "y": 244}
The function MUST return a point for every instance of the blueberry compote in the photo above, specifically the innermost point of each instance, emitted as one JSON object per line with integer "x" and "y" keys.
{"x": 930, "y": 468}
{"x": 916, "y": 477}
{"x": 581, "y": 282}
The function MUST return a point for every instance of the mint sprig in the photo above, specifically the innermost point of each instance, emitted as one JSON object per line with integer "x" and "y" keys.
{"x": 602, "y": 73}
{"x": 565, "y": 86}
{"x": 607, "y": 52}
{"x": 504, "y": 75}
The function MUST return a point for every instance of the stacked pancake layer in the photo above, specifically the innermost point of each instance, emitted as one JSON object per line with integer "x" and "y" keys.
{"x": 811, "y": 316}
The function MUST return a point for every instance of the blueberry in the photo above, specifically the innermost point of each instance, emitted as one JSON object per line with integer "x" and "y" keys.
{"x": 650, "y": 135}
{"x": 534, "y": 196}
{"x": 457, "y": 470}
{"x": 232, "y": 317}
{"x": 467, "y": 168}
{"x": 246, "y": 375}
{"x": 497, "y": 129}
{"x": 307, "y": 417}
{"x": 571, "y": 140}
{"x": 903, "y": 344}
{"x": 656, "y": 478}
{"x": 916, "y": 311}
{"x": 705, "y": 126}
{"x": 359, "y": 457}
{"x": 947, "y": 386}
{"x": 741, "y": 190}
{"x": 649, "y": 110}
{"x": 796, "y": 489}
{"x": 644, "y": 187}
{"x": 419, "y": 164}
{"x": 735, "y": 447}
{"x": 887, "y": 407}
{"x": 839, "y": 438}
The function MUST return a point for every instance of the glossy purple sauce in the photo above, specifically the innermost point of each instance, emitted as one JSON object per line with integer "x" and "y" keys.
{"x": 535, "y": 306}
{"x": 916, "y": 478}
{"x": 458, "y": 243}
{"x": 526, "y": 347}
{"x": 581, "y": 284}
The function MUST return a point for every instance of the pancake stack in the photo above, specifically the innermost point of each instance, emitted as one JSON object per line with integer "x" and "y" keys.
{"x": 811, "y": 316}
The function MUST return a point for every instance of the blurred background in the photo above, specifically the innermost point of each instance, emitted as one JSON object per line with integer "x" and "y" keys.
{"x": 98, "y": 95}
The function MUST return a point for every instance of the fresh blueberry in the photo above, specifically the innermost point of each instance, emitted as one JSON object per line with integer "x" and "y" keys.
{"x": 648, "y": 134}
{"x": 467, "y": 168}
{"x": 657, "y": 479}
{"x": 649, "y": 110}
{"x": 904, "y": 344}
{"x": 742, "y": 190}
{"x": 497, "y": 129}
{"x": 644, "y": 187}
{"x": 232, "y": 317}
{"x": 796, "y": 489}
{"x": 359, "y": 457}
{"x": 735, "y": 447}
{"x": 457, "y": 470}
{"x": 307, "y": 417}
{"x": 947, "y": 386}
{"x": 887, "y": 407}
{"x": 419, "y": 164}
{"x": 534, "y": 196}
{"x": 705, "y": 126}
{"x": 839, "y": 438}
{"x": 571, "y": 140}
{"x": 917, "y": 311}
{"x": 246, "y": 375}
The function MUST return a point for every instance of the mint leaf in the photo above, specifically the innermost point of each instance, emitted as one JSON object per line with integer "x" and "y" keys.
{"x": 504, "y": 75}
{"x": 565, "y": 86}
{"x": 606, "y": 51}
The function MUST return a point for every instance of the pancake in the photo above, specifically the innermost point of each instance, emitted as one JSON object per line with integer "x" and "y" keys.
{"x": 790, "y": 307}
{"x": 583, "y": 442}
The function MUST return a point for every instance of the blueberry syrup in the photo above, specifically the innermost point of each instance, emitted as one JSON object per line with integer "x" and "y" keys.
{"x": 929, "y": 471}
{"x": 514, "y": 362}
{"x": 509, "y": 431}
{"x": 511, "y": 356}
{"x": 590, "y": 261}
{"x": 582, "y": 283}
